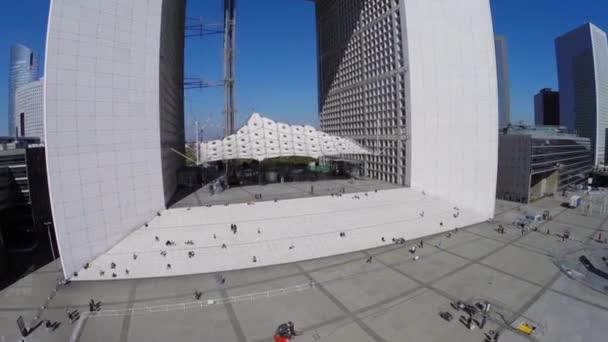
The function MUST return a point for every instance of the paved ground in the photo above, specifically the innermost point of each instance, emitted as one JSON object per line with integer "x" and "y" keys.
{"x": 393, "y": 298}
{"x": 279, "y": 191}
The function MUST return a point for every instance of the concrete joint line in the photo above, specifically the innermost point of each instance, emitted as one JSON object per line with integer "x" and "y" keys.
{"x": 368, "y": 330}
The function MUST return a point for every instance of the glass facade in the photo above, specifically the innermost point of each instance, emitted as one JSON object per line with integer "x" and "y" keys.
{"x": 582, "y": 63}
{"x": 570, "y": 155}
{"x": 29, "y": 110}
{"x": 541, "y": 161}
{"x": 23, "y": 69}
{"x": 362, "y": 78}
{"x": 546, "y": 108}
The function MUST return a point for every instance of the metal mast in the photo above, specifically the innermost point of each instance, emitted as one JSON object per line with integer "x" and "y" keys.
{"x": 229, "y": 65}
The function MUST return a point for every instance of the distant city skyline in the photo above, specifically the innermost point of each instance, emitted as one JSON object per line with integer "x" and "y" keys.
{"x": 280, "y": 80}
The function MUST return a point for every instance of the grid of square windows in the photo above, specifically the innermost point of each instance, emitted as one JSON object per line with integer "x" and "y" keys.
{"x": 362, "y": 80}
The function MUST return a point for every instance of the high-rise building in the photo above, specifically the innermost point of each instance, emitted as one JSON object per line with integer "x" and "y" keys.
{"x": 504, "y": 85}
{"x": 378, "y": 86}
{"x": 414, "y": 81}
{"x": 29, "y": 115}
{"x": 546, "y": 108}
{"x": 582, "y": 65}
{"x": 23, "y": 69}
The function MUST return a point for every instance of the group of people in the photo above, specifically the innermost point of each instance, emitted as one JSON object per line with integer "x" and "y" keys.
{"x": 285, "y": 332}
{"x": 233, "y": 228}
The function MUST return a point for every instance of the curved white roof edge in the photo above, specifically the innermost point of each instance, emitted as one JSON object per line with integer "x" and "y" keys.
{"x": 262, "y": 138}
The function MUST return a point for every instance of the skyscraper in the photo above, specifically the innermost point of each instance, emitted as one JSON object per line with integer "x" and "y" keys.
{"x": 29, "y": 117}
{"x": 546, "y": 108}
{"x": 504, "y": 85}
{"x": 23, "y": 69}
{"x": 582, "y": 66}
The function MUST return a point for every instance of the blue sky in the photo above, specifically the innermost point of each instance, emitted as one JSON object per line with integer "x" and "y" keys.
{"x": 276, "y": 58}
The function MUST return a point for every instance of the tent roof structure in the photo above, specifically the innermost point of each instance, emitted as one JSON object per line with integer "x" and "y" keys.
{"x": 262, "y": 138}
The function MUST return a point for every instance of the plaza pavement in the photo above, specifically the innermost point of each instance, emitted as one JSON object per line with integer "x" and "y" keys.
{"x": 393, "y": 298}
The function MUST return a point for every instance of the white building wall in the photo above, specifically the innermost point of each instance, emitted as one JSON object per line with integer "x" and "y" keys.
{"x": 453, "y": 101}
{"x": 600, "y": 54}
{"x": 102, "y": 122}
{"x": 29, "y": 101}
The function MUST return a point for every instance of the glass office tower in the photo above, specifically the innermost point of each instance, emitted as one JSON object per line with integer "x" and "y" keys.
{"x": 23, "y": 69}
{"x": 582, "y": 63}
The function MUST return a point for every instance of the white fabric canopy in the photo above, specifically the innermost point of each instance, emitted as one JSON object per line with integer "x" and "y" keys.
{"x": 262, "y": 138}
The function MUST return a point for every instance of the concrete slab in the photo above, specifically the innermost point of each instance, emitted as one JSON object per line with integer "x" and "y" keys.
{"x": 479, "y": 282}
{"x": 573, "y": 218}
{"x": 433, "y": 263}
{"x": 331, "y": 261}
{"x": 489, "y": 231}
{"x": 547, "y": 244}
{"x": 523, "y": 263}
{"x": 456, "y": 240}
{"x": 476, "y": 248}
{"x": 416, "y": 318}
{"x": 509, "y": 336}
{"x": 345, "y": 330}
{"x": 209, "y": 324}
{"x": 578, "y": 323}
{"x": 357, "y": 285}
{"x": 574, "y": 288}
{"x": 106, "y": 329}
{"x": 259, "y": 319}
